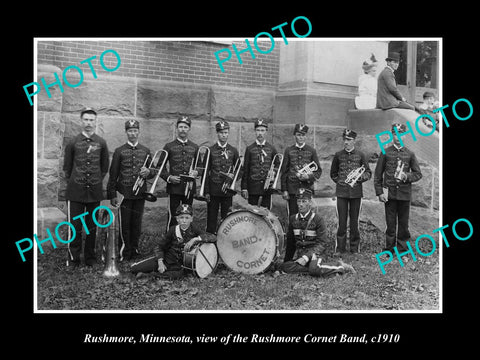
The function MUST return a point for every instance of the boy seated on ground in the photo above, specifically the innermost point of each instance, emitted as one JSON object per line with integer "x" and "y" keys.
{"x": 307, "y": 230}
{"x": 168, "y": 258}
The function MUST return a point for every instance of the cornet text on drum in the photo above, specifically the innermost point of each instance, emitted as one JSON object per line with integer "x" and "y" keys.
{"x": 255, "y": 42}
{"x": 434, "y": 125}
{"x": 430, "y": 238}
{"x": 50, "y": 238}
{"x": 254, "y": 263}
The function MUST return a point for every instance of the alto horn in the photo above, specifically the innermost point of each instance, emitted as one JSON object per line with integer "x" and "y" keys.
{"x": 273, "y": 174}
{"x": 109, "y": 248}
{"x": 231, "y": 176}
{"x": 354, "y": 175}
{"x": 149, "y": 194}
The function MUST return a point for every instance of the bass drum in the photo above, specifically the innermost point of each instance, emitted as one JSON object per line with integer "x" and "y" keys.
{"x": 249, "y": 241}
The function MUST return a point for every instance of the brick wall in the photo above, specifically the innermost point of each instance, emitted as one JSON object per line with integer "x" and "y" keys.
{"x": 185, "y": 61}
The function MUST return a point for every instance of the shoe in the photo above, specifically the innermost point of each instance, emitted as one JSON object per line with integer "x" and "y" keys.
{"x": 348, "y": 268}
{"x": 90, "y": 262}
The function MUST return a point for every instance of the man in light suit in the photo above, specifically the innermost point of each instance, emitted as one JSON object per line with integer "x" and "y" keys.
{"x": 388, "y": 95}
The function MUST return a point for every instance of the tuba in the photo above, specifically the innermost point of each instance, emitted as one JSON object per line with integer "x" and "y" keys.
{"x": 308, "y": 169}
{"x": 354, "y": 175}
{"x": 399, "y": 170}
{"x": 228, "y": 186}
{"x": 148, "y": 195}
{"x": 273, "y": 174}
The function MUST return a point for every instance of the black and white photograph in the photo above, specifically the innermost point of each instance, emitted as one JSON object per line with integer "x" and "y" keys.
{"x": 267, "y": 186}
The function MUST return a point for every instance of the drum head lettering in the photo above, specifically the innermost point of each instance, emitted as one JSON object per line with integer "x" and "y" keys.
{"x": 246, "y": 242}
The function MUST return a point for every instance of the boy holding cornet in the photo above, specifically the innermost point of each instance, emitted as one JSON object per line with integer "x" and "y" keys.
{"x": 349, "y": 170}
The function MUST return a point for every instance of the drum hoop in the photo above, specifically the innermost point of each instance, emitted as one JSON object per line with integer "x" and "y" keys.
{"x": 194, "y": 258}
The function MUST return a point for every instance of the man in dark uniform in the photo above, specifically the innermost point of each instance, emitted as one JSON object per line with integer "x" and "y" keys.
{"x": 396, "y": 170}
{"x": 168, "y": 258}
{"x": 349, "y": 199}
{"x": 181, "y": 155}
{"x": 223, "y": 158}
{"x": 126, "y": 167}
{"x": 85, "y": 165}
{"x": 308, "y": 232}
{"x": 257, "y": 161}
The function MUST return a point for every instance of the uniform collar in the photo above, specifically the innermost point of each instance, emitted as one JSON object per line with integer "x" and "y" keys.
{"x": 132, "y": 145}
{"x": 87, "y": 136}
{"x": 399, "y": 148}
{"x": 261, "y": 144}
{"x": 306, "y": 215}
{"x": 182, "y": 141}
{"x": 349, "y": 152}
{"x": 300, "y": 146}
{"x": 220, "y": 146}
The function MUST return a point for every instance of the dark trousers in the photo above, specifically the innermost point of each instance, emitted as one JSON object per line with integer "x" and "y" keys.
{"x": 292, "y": 205}
{"x": 266, "y": 200}
{"x": 150, "y": 264}
{"x": 292, "y": 208}
{"x": 222, "y": 203}
{"x": 397, "y": 213}
{"x": 348, "y": 208}
{"x": 131, "y": 213}
{"x": 75, "y": 247}
{"x": 175, "y": 201}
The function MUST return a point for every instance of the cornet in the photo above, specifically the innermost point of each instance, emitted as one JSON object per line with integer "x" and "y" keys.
{"x": 141, "y": 180}
{"x": 399, "y": 170}
{"x": 308, "y": 169}
{"x": 273, "y": 174}
{"x": 149, "y": 194}
{"x": 354, "y": 175}
{"x": 231, "y": 176}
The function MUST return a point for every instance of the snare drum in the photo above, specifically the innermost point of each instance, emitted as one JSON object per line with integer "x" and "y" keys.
{"x": 201, "y": 259}
{"x": 249, "y": 241}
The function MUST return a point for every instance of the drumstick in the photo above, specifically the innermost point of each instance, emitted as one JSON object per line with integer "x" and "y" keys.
{"x": 208, "y": 262}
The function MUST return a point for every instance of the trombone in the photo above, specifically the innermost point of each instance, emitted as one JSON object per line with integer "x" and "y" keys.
{"x": 148, "y": 195}
{"x": 141, "y": 180}
{"x": 228, "y": 186}
{"x": 198, "y": 165}
{"x": 273, "y": 174}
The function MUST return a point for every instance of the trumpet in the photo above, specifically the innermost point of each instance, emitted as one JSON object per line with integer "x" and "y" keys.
{"x": 231, "y": 176}
{"x": 399, "y": 172}
{"x": 354, "y": 175}
{"x": 308, "y": 169}
{"x": 148, "y": 195}
{"x": 141, "y": 180}
{"x": 273, "y": 174}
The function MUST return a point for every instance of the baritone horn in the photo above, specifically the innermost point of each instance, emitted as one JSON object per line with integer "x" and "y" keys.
{"x": 228, "y": 186}
{"x": 148, "y": 195}
{"x": 273, "y": 174}
{"x": 354, "y": 175}
{"x": 399, "y": 172}
{"x": 110, "y": 242}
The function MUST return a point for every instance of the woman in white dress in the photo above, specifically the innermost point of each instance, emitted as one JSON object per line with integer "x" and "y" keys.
{"x": 367, "y": 85}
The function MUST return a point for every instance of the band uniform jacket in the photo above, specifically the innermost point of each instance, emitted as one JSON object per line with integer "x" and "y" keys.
{"x": 127, "y": 161}
{"x": 388, "y": 95}
{"x": 309, "y": 233}
{"x": 342, "y": 164}
{"x": 221, "y": 160}
{"x": 385, "y": 173}
{"x": 171, "y": 244}
{"x": 85, "y": 165}
{"x": 180, "y": 157}
{"x": 294, "y": 159}
{"x": 256, "y": 164}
